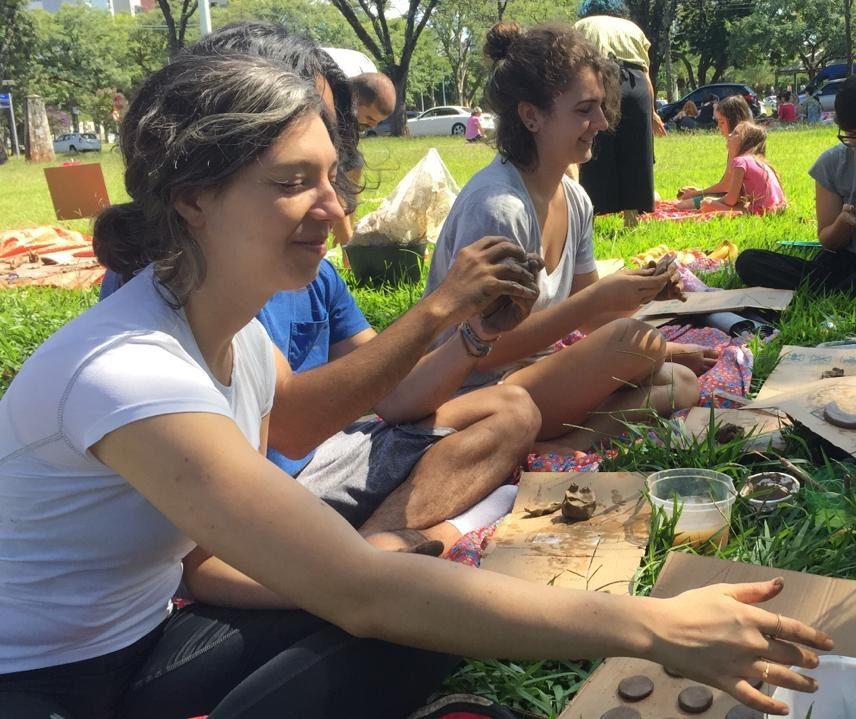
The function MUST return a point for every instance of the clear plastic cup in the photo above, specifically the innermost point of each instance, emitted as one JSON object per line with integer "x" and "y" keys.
{"x": 836, "y": 696}
{"x": 705, "y": 498}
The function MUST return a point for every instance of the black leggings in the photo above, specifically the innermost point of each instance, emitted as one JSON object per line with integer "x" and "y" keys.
{"x": 827, "y": 271}
{"x": 233, "y": 664}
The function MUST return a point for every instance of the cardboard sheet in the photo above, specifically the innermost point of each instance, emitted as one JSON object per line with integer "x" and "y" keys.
{"x": 725, "y": 300}
{"x": 77, "y": 190}
{"x": 764, "y": 426}
{"x": 609, "y": 267}
{"x": 799, "y": 366}
{"x": 601, "y": 553}
{"x": 828, "y": 604}
{"x": 806, "y": 404}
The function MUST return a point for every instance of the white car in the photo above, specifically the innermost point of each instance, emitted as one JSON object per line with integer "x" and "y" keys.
{"x": 77, "y": 142}
{"x": 446, "y": 120}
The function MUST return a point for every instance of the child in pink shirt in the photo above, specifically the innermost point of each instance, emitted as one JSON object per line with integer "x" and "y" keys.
{"x": 474, "y": 131}
{"x": 753, "y": 183}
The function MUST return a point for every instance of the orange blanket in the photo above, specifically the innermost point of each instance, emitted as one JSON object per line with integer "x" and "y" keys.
{"x": 52, "y": 256}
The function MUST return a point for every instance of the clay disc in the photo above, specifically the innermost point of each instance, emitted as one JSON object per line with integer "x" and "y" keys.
{"x": 741, "y": 711}
{"x": 621, "y": 713}
{"x": 695, "y": 699}
{"x": 672, "y": 672}
{"x": 635, "y": 688}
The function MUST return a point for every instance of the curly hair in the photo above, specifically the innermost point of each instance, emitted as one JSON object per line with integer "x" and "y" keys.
{"x": 194, "y": 123}
{"x": 535, "y": 66}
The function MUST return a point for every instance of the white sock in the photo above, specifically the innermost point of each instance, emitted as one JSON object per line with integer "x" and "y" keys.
{"x": 497, "y": 504}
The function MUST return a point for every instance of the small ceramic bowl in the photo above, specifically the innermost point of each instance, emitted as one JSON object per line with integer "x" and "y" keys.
{"x": 765, "y": 490}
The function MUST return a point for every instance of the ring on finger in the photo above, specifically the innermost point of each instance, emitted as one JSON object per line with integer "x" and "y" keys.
{"x": 766, "y": 671}
{"x": 778, "y": 626}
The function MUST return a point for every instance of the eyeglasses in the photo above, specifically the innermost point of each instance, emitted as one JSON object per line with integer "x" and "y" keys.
{"x": 847, "y": 139}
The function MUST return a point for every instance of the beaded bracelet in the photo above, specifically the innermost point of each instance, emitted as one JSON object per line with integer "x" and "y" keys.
{"x": 475, "y": 345}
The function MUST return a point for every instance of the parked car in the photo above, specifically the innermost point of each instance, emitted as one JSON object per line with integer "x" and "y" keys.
{"x": 384, "y": 128}
{"x": 77, "y": 142}
{"x": 826, "y": 95}
{"x": 720, "y": 90}
{"x": 446, "y": 120}
{"x": 836, "y": 71}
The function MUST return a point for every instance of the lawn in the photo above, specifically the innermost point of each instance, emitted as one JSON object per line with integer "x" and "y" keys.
{"x": 816, "y": 534}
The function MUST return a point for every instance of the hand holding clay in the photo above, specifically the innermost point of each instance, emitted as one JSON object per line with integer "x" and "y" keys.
{"x": 714, "y": 635}
{"x": 506, "y": 312}
{"x": 625, "y": 291}
{"x": 847, "y": 216}
{"x": 483, "y": 273}
{"x": 674, "y": 289}
{"x": 685, "y": 193}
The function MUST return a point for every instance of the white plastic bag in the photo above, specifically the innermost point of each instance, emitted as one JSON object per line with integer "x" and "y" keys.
{"x": 416, "y": 209}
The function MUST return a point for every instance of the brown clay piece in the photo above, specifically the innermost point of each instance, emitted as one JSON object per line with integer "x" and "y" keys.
{"x": 579, "y": 503}
{"x": 621, "y": 713}
{"x": 835, "y": 415}
{"x": 729, "y": 432}
{"x": 635, "y": 688}
{"x": 832, "y": 373}
{"x": 672, "y": 672}
{"x": 695, "y": 699}
{"x": 741, "y": 711}
{"x": 542, "y": 511}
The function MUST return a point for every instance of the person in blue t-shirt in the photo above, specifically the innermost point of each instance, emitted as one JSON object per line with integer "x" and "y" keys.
{"x": 435, "y": 457}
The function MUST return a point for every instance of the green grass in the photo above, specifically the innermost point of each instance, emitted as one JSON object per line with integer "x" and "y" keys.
{"x": 817, "y": 533}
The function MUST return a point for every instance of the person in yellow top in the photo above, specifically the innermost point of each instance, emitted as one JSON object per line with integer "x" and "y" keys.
{"x": 620, "y": 175}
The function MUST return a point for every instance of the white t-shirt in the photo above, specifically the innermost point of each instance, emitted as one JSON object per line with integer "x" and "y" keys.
{"x": 87, "y": 564}
{"x": 496, "y": 202}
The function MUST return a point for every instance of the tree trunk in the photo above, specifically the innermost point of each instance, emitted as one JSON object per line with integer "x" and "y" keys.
{"x": 848, "y": 34}
{"x": 399, "y": 119}
{"x": 38, "y": 142}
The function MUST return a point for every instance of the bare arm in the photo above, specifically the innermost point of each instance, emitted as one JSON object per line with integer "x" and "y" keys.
{"x": 735, "y": 187}
{"x": 592, "y": 302}
{"x": 371, "y": 372}
{"x": 659, "y": 127}
{"x": 835, "y": 220}
{"x": 433, "y": 380}
{"x": 212, "y": 581}
{"x": 217, "y": 489}
{"x": 717, "y": 187}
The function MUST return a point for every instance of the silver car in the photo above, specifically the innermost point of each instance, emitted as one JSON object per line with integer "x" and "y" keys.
{"x": 446, "y": 120}
{"x": 827, "y": 94}
{"x": 77, "y": 142}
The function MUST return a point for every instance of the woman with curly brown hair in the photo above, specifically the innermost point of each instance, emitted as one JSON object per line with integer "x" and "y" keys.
{"x": 552, "y": 93}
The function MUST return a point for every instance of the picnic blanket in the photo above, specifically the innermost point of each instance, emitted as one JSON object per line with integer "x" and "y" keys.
{"x": 668, "y": 210}
{"x": 53, "y": 256}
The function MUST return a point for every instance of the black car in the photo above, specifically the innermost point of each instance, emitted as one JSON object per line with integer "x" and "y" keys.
{"x": 720, "y": 90}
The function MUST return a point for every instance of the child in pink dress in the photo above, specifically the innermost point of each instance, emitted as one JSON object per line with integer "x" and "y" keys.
{"x": 474, "y": 131}
{"x": 754, "y": 186}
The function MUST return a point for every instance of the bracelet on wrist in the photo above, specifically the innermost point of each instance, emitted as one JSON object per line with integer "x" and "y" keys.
{"x": 479, "y": 329}
{"x": 475, "y": 345}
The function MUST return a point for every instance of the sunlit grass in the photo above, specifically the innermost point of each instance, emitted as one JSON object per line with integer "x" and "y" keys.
{"x": 814, "y": 533}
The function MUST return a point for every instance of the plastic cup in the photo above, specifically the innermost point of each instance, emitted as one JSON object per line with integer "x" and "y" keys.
{"x": 705, "y": 498}
{"x": 836, "y": 695}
